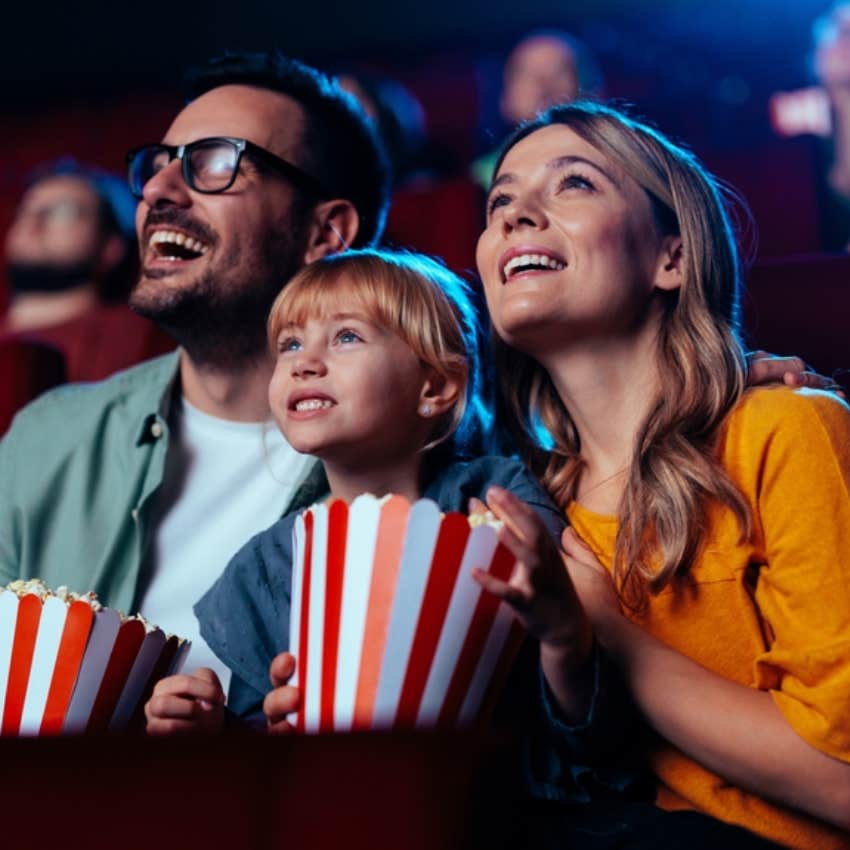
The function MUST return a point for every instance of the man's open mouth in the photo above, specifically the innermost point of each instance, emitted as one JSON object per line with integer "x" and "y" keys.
{"x": 175, "y": 245}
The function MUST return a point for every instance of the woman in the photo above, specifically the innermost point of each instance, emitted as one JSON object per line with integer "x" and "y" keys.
{"x": 721, "y": 516}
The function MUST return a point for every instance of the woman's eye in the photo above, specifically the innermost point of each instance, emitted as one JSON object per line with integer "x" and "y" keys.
{"x": 497, "y": 201}
{"x": 575, "y": 181}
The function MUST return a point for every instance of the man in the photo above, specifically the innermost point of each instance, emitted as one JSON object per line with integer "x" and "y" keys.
{"x": 142, "y": 487}
{"x": 70, "y": 239}
{"x": 70, "y": 255}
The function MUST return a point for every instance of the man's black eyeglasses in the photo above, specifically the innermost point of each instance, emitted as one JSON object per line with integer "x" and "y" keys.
{"x": 210, "y": 165}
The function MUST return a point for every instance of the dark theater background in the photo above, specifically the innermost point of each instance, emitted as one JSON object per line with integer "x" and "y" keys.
{"x": 92, "y": 80}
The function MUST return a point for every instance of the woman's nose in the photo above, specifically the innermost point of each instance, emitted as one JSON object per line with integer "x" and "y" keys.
{"x": 523, "y": 211}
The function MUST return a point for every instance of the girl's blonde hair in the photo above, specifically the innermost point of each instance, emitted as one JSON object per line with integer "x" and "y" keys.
{"x": 411, "y": 295}
{"x": 675, "y": 472}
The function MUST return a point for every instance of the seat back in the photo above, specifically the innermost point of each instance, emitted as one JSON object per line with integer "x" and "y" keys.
{"x": 443, "y": 218}
{"x": 27, "y": 369}
{"x": 801, "y": 305}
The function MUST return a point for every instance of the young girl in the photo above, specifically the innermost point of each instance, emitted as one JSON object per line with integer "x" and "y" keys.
{"x": 721, "y": 516}
{"x": 375, "y": 357}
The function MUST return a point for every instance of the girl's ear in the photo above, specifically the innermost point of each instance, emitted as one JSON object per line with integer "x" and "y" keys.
{"x": 668, "y": 274}
{"x": 333, "y": 227}
{"x": 439, "y": 393}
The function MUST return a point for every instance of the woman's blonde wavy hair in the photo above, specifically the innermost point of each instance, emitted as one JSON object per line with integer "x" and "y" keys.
{"x": 411, "y": 295}
{"x": 675, "y": 472}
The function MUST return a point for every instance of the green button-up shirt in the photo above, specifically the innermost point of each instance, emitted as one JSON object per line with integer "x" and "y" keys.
{"x": 79, "y": 469}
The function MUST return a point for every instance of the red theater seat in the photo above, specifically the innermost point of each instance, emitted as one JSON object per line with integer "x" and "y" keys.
{"x": 442, "y": 218}
{"x": 360, "y": 792}
{"x": 104, "y": 341}
{"x": 801, "y": 305}
{"x": 27, "y": 369}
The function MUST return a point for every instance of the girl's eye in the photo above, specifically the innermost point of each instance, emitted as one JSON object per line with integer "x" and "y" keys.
{"x": 347, "y": 336}
{"x": 496, "y": 201}
{"x": 288, "y": 344}
{"x": 576, "y": 181}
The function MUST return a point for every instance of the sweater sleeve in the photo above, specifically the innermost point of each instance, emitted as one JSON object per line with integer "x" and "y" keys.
{"x": 577, "y": 763}
{"x": 803, "y": 589}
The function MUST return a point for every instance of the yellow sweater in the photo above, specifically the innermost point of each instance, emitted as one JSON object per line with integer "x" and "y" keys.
{"x": 774, "y": 612}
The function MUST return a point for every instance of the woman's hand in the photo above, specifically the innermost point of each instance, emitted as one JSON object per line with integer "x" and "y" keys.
{"x": 592, "y": 581}
{"x": 185, "y": 705}
{"x": 283, "y": 699}
{"x": 539, "y": 589}
{"x": 543, "y": 598}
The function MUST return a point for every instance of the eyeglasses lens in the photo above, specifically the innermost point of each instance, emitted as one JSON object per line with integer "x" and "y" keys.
{"x": 212, "y": 165}
{"x": 144, "y": 164}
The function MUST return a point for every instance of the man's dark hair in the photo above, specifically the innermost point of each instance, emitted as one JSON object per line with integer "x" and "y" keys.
{"x": 340, "y": 146}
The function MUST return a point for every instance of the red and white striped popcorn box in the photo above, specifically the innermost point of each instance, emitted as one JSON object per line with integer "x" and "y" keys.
{"x": 388, "y": 626}
{"x": 68, "y": 665}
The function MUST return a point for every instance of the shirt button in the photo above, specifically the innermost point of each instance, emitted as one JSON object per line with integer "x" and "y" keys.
{"x": 156, "y": 430}
{"x": 135, "y": 514}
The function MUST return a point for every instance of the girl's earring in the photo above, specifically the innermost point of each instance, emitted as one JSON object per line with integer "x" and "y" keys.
{"x": 425, "y": 410}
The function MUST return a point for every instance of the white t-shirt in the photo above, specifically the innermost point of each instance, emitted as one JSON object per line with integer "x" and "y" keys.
{"x": 224, "y": 482}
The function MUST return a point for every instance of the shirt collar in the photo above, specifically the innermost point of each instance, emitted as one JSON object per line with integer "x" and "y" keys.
{"x": 160, "y": 386}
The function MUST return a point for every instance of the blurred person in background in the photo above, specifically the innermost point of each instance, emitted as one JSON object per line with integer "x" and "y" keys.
{"x": 832, "y": 66}
{"x": 70, "y": 259}
{"x": 400, "y": 121}
{"x": 543, "y": 68}
{"x": 70, "y": 246}
{"x": 831, "y": 62}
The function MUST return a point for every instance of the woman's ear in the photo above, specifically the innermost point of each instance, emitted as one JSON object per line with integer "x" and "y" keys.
{"x": 439, "y": 393}
{"x": 333, "y": 227}
{"x": 668, "y": 274}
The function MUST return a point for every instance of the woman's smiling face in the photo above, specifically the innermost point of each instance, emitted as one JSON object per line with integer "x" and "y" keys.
{"x": 571, "y": 249}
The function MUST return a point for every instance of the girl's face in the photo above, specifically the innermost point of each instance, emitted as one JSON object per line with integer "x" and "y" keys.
{"x": 347, "y": 390}
{"x": 570, "y": 250}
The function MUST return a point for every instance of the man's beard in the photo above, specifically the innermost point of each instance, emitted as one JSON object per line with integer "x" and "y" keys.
{"x": 222, "y": 322}
{"x": 25, "y": 278}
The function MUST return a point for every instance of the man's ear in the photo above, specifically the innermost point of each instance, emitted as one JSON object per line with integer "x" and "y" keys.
{"x": 668, "y": 274}
{"x": 333, "y": 227}
{"x": 439, "y": 393}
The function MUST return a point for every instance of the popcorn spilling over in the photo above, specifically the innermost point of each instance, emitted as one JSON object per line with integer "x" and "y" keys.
{"x": 68, "y": 664}
{"x": 22, "y": 587}
{"x": 389, "y": 628}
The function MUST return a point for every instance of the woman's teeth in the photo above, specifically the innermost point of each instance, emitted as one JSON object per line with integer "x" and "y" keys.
{"x": 528, "y": 262}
